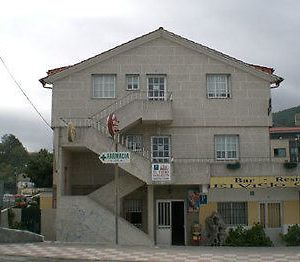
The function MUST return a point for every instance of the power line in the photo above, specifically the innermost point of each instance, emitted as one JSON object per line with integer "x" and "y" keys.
{"x": 18, "y": 85}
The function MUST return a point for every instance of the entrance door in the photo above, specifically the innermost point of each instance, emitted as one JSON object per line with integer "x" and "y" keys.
{"x": 170, "y": 228}
{"x": 270, "y": 218}
{"x": 177, "y": 223}
{"x": 163, "y": 231}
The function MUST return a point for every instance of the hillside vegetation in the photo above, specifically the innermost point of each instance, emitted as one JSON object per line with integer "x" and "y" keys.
{"x": 285, "y": 117}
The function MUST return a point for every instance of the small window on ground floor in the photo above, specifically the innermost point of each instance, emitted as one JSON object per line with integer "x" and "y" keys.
{"x": 133, "y": 212}
{"x": 234, "y": 213}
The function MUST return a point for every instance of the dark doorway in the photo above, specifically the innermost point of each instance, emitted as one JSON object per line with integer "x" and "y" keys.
{"x": 178, "y": 223}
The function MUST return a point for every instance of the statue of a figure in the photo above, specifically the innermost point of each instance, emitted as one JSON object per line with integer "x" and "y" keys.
{"x": 215, "y": 230}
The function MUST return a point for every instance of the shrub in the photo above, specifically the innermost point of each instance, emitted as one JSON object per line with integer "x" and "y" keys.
{"x": 256, "y": 236}
{"x": 18, "y": 225}
{"x": 253, "y": 237}
{"x": 235, "y": 237}
{"x": 292, "y": 237}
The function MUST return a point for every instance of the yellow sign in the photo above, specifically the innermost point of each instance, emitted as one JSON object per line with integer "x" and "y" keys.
{"x": 255, "y": 182}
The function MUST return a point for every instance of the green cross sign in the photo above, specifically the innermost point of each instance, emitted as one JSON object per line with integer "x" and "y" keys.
{"x": 114, "y": 157}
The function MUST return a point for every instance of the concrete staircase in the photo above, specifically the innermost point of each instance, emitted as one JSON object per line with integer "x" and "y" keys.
{"x": 139, "y": 166}
{"x": 92, "y": 218}
{"x": 134, "y": 108}
{"x": 127, "y": 184}
{"x": 81, "y": 219}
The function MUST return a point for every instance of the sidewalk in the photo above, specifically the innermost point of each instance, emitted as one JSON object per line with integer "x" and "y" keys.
{"x": 96, "y": 252}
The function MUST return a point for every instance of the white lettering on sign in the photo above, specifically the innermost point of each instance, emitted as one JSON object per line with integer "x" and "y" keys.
{"x": 115, "y": 157}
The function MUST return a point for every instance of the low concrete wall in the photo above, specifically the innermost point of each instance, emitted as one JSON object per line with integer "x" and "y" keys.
{"x": 4, "y": 218}
{"x": 17, "y": 214}
{"x": 18, "y": 236}
{"x": 48, "y": 220}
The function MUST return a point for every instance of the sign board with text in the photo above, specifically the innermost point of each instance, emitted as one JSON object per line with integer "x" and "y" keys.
{"x": 255, "y": 182}
{"x": 115, "y": 157}
{"x": 161, "y": 172}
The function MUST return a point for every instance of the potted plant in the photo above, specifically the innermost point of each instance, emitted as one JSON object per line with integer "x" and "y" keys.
{"x": 290, "y": 165}
{"x": 234, "y": 166}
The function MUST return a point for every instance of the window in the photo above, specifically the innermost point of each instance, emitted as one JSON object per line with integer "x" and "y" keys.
{"x": 279, "y": 152}
{"x": 270, "y": 215}
{"x": 227, "y": 147}
{"x": 132, "y": 82}
{"x": 156, "y": 87}
{"x": 234, "y": 213}
{"x": 160, "y": 146}
{"x": 294, "y": 146}
{"x": 133, "y": 212}
{"x": 134, "y": 142}
{"x": 218, "y": 86}
{"x": 104, "y": 86}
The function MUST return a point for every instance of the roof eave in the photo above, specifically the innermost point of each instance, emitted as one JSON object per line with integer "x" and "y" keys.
{"x": 273, "y": 79}
{"x": 103, "y": 56}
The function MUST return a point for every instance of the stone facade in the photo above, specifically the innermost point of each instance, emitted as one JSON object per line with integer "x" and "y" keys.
{"x": 186, "y": 115}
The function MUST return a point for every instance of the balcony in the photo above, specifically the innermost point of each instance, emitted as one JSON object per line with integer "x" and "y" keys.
{"x": 136, "y": 107}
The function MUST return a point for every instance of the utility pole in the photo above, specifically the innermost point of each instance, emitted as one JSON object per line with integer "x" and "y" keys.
{"x": 116, "y": 137}
{"x": 112, "y": 127}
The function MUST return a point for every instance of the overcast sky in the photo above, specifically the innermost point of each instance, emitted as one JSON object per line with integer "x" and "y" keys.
{"x": 39, "y": 35}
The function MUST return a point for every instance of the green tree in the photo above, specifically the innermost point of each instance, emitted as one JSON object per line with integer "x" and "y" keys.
{"x": 39, "y": 168}
{"x": 7, "y": 173}
{"x": 13, "y": 158}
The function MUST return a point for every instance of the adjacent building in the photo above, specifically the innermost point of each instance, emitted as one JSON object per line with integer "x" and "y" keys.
{"x": 285, "y": 143}
{"x": 196, "y": 123}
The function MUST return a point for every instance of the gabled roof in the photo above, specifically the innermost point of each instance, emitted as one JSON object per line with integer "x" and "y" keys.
{"x": 260, "y": 71}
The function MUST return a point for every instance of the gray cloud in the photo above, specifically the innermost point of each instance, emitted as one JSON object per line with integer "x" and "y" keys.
{"x": 30, "y": 130}
{"x": 260, "y": 32}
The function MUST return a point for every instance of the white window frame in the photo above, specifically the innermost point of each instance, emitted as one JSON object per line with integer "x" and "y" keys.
{"x": 214, "y": 88}
{"x": 234, "y": 216}
{"x": 266, "y": 215}
{"x": 158, "y": 97}
{"x": 130, "y": 82}
{"x": 104, "y": 91}
{"x": 137, "y": 146}
{"x": 161, "y": 159}
{"x": 227, "y": 147}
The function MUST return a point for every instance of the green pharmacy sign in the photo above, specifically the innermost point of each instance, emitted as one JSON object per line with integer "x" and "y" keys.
{"x": 115, "y": 157}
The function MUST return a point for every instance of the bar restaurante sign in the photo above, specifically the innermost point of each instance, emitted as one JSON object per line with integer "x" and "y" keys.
{"x": 255, "y": 182}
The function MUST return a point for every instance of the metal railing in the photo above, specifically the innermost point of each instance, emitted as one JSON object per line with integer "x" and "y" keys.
{"x": 102, "y": 129}
{"x": 127, "y": 99}
{"x": 89, "y": 122}
{"x": 241, "y": 160}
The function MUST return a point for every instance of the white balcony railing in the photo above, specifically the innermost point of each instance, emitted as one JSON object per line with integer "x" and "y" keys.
{"x": 125, "y": 100}
{"x": 102, "y": 129}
